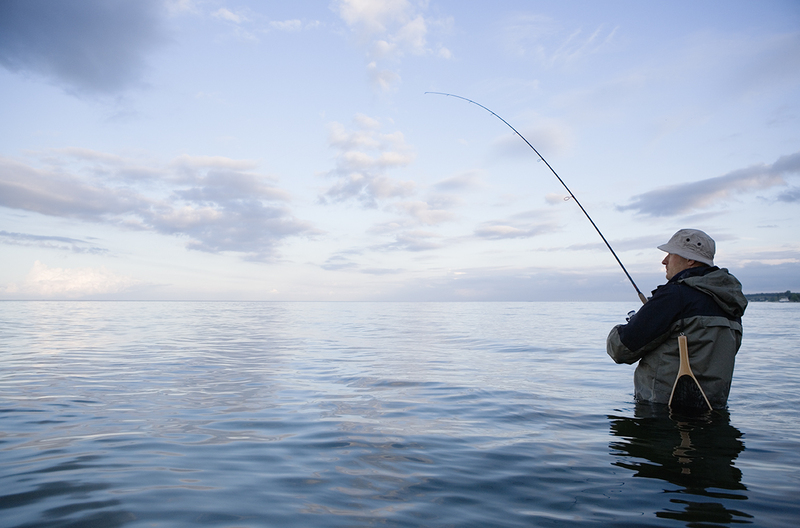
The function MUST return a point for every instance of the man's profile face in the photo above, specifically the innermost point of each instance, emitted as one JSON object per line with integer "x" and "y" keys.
{"x": 676, "y": 264}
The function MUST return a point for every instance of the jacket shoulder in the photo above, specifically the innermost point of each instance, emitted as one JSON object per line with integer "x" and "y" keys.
{"x": 723, "y": 287}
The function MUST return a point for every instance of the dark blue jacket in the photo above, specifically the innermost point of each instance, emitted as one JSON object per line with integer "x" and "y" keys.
{"x": 706, "y": 304}
{"x": 671, "y": 302}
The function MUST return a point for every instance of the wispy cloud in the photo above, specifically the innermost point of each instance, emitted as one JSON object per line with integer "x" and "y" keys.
{"x": 791, "y": 195}
{"x": 521, "y": 225}
{"x": 250, "y": 25}
{"x": 499, "y": 230}
{"x": 243, "y": 23}
{"x": 293, "y": 25}
{"x": 216, "y": 203}
{"x": 460, "y": 182}
{"x": 88, "y": 46}
{"x": 689, "y": 197}
{"x": 64, "y": 195}
{"x": 364, "y": 156}
{"x": 382, "y": 271}
{"x": 393, "y": 26}
{"x": 549, "y": 138}
{"x": 414, "y": 240}
{"x": 770, "y": 256}
{"x": 515, "y": 284}
{"x": 224, "y": 13}
{"x": 412, "y": 229}
{"x": 625, "y": 244}
{"x": 425, "y": 212}
{"x": 73, "y": 245}
{"x": 543, "y": 38}
{"x": 338, "y": 262}
{"x": 390, "y": 29}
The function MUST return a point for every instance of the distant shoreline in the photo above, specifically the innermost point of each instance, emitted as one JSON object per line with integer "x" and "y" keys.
{"x": 786, "y": 296}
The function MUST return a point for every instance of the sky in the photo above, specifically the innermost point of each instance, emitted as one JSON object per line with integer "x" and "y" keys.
{"x": 290, "y": 151}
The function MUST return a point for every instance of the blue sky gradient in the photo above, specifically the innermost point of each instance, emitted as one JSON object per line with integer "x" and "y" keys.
{"x": 204, "y": 149}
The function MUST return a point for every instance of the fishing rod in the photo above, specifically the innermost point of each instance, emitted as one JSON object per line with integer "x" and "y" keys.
{"x": 641, "y": 295}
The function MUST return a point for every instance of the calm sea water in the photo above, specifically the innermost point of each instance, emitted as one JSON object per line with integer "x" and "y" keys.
{"x": 377, "y": 414}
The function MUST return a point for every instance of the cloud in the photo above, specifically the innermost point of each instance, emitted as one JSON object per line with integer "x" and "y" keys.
{"x": 791, "y": 195}
{"x": 414, "y": 240}
{"x": 364, "y": 156}
{"x": 682, "y": 199}
{"x": 87, "y": 46}
{"x": 226, "y": 186}
{"x": 424, "y": 212}
{"x": 515, "y": 284}
{"x": 758, "y": 277}
{"x": 293, "y": 25}
{"x": 626, "y": 244}
{"x": 387, "y": 23}
{"x": 538, "y": 36}
{"x": 217, "y": 162}
{"x": 228, "y": 15}
{"x": 405, "y": 235}
{"x": 555, "y": 198}
{"x": 338, "y": 262}
{"x": 57, "y": 194}
{"x": 75, "y": 283}
{"x": 287, "y": 25}
{"x": 381, "y": 271}
{"x": 789, "y": 253}
{"x": 390, "y": 29}
{"x": 244, "y": 23}
{"x": 50, "y": 242}
{"x": 460, "y": 182}
{"x": 549, "y": 138}
{"x": 498, "y": 230}
{"x": 249, "y": 25}
{"x": 521, "y": 225}
{"x": 383, "y": 79}
{"x": 214, "y": 202}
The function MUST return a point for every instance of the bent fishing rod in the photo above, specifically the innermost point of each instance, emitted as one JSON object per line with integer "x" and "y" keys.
{"x": 641, "y": 295}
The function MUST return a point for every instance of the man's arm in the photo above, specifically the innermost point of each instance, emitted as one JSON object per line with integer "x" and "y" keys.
{"x": 648, "y": 328}
{"x": 618, "y": 351}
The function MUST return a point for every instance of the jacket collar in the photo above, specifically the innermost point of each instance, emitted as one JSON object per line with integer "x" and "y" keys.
{"x": 693, "y": 272}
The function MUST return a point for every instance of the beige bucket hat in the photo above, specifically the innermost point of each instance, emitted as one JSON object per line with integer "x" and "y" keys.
{"x": 691, "y": 244}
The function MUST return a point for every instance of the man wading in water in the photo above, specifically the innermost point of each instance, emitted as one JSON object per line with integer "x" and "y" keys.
{"x": 699, "y": 300}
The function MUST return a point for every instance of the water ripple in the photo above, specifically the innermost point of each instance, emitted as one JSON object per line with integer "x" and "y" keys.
{"x": 356, "y": 414}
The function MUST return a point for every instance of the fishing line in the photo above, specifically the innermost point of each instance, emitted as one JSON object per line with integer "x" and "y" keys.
{"x": 641, "y": 295}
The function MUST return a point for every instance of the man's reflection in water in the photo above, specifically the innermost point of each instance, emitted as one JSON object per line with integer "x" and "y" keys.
{"x": 694, "y": 454}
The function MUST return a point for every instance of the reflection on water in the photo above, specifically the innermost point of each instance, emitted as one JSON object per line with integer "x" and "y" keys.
{"x": 400, "y": 415}
{"x": 695, "y": 455}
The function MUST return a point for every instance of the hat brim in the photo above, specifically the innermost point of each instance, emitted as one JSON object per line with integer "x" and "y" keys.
{"x": 683, "y": 252}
